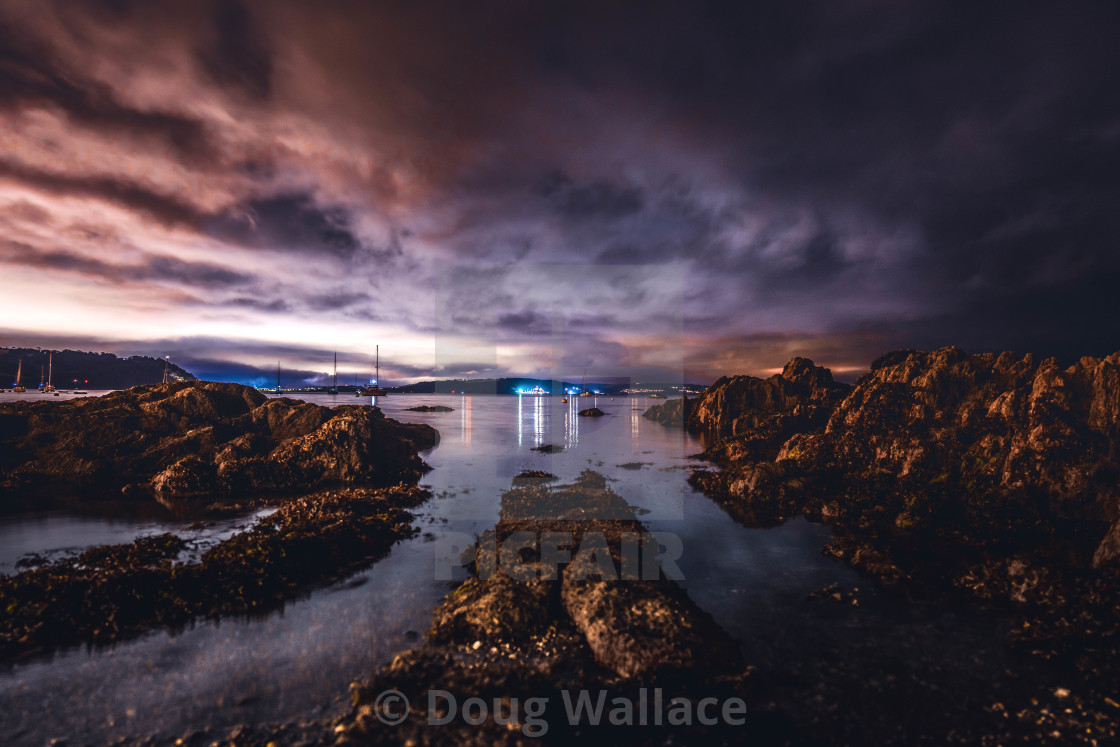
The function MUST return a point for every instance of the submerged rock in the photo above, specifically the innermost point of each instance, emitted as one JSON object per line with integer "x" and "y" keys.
{"x": 190, "y": 440}
{"x": 591, "y": 412}
{"x": 431, "y": 408}
{"x": 533, "y": 475}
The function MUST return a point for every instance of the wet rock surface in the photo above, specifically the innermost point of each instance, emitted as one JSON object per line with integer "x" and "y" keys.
{"x": 530, "y": 476}
{"x": 117, "y": 591}
{"x": 542, "y": 627}
{"x": 799, "y": 398}
{"x": 188, "y": 441}
{"x": 992, "y": 478}
{"x": 591, "y": 412}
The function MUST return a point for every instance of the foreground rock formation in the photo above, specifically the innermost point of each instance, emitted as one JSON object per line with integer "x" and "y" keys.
{"x": 978, "y": 450}
{"x": 799, "y": 398}
{"x": 191, "y": 441}
{"x": 998, "y": 475}
{"x": 511, "y": 634}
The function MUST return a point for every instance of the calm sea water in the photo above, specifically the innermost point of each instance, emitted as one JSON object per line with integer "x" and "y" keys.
{"x": 299, "y": 661}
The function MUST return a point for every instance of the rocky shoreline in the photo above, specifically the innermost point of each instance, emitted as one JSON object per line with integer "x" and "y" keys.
{"x": 189, "y": 444}
{"x": 344, "y": 478}
{"x": 990, "y": 477}
{"x": 976, "y": 485}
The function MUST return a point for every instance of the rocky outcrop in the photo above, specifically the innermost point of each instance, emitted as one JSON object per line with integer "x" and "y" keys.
{"x": 196, "y": 440}
{"x": 993, "y": 475}
{"x": 945, "y": 455}
{"x": 981, "y": 449}
{"x": 673, "y": 412}
{"x": 591, "y": 412}
{"x": 799, "y": 398}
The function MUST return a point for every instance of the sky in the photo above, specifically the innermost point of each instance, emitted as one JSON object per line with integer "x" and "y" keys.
{"x": 660, "y": 190}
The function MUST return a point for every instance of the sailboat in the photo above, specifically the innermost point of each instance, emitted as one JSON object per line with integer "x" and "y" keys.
{"x": 17, "y": 387}
{"x": 583, "y": 386}
{"x": 375, "y": 390}
{"x": 334, "y": 387}
{"x": 49, "y": 387}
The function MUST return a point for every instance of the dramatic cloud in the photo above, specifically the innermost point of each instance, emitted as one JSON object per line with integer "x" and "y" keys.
{"x": 666, "y": 189}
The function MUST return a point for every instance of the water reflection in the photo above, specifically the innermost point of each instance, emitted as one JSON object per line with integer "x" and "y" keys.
{"x": 538, "y": 420}
{"x": 465, "y": 404}
{"x": 571, "y": 425}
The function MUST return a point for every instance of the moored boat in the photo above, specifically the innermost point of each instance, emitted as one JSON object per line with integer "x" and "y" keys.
{"x": 374, "y": 389}
{"x": 48, "y": 386}
{"x": 17, "y": 387}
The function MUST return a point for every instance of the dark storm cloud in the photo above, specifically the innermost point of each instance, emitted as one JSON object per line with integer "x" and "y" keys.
{"x": 191, "y": 273}
{"x": 337, "y": 300}
{"x": 158, "y": 269}
{"x": 589, "y": 201}
{"x": 289, "y": 222}
{"x": 525, "y": 322}
{"x": 31, "y": 74}
{"x": 992, "y": 135}
{"x": 274, "y": 306}
{"x": 127, "y": 194}
{"x": 238, "y": 57}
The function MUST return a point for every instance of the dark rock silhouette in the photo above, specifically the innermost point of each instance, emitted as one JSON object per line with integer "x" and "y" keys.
{"x": 591, "y": 412}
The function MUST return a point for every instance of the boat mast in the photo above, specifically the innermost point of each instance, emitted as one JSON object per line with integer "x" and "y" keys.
{"x": 50, "y": 370}
{"x": 19, "y": 371}
{"x": 377, "y": 367}
{"x": 277, "y": 377}
{"x": 336, "y": 369}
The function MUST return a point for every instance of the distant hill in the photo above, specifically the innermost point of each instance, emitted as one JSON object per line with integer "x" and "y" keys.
{"x": 76, "y": 369}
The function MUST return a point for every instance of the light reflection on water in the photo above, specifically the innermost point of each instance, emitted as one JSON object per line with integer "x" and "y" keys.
{"x": 301, "y": 660}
